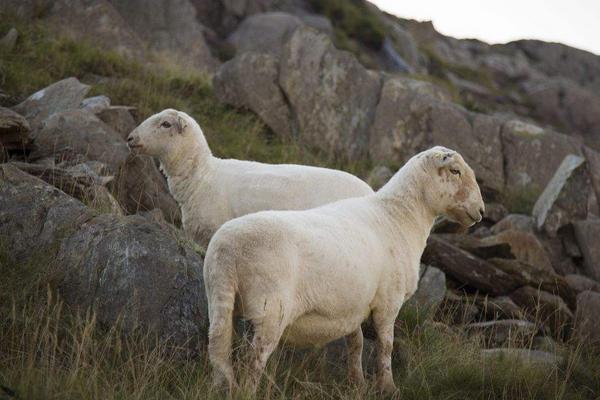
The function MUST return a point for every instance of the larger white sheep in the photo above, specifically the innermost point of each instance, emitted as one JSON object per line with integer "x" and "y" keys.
{"x": 211, "y": 191}
{"x": 314, "y": 276}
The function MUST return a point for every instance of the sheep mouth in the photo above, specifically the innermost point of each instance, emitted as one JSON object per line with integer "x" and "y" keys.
{"x": 475, "y": 220}
{"x": 135, "y": 147}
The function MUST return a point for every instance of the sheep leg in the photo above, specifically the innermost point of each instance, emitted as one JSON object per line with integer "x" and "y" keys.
{"x": 265, "y": 340}
{"x": 354, "y": 341}
{"x": 384, "y": 325}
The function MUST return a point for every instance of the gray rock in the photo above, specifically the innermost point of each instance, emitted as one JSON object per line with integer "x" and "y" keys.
{"x": 532, "y": 155}
{"x": 431, "y": 289}
{"x": 71, "y": 18}
{"x": 79, "y": 133}
{"x": 593, "y": 159}
{"x": 412, "y": 116}
{"x": 170, "y": 27}
{"x": 495, "y": 212}
{"x": 87, "y": 187}
{"x": 524, "y": 356}
{"x": 35, "y": 216}
{"x": 60, "y": 96}
{"x": 379, "y": 176}
{"x": 133, "y": 271}
{"x": 587, "y": 234}
{"x": 507, "y": 331}
{"x": 500, "y": 307}
{"x": 318, "y": 22}
{"x": 141, "y": 187}
{"x": 331, "y": 94}
{"x": 564, "y": 199}
{"x": 264, "y": 33}
{"x": 549, "y": 309}
{"x": 119, "y": 118}
{"x": 95, "y": 104}
{"x": 14, "y": 132}
{"x": 9, "y": 40}
{"x": 129, "y": 269}
{"x": 555, "y": 59}
{"x": 580, "y": 283}
{"x": 518, "y": 222}
{"x": 525, "y": 247}
{"x": 563, "y": 103}
{"x": 587, "y": 324}
{"x": 250, "y": 81}
{"x": 467, "y": 268}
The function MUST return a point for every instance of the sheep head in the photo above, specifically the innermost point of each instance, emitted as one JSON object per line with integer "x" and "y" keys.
{"x": 454, "y": 191}
{"x": 161, "y": 134}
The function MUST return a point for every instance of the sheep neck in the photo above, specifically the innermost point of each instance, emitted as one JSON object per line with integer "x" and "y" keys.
{"x": 408, "y": 213}
{"x": 184, "y": 170}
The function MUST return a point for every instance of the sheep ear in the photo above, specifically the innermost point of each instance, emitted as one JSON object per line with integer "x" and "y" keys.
{"x": 443, "y": 159}
{"x": 181, "y": 124}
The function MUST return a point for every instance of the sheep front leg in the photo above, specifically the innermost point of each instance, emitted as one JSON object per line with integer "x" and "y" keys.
{"x": 384, "y": 325}
{"x": 354, "y": 341}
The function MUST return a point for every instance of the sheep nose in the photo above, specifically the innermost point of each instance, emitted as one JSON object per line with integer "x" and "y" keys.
{"x": 130, "y": 139}
{"x": 481, "y": 212}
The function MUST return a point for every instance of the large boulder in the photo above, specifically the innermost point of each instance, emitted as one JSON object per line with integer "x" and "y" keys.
{"x": 412, "y": 116}
{"x": 588, "y": 234}
{"x": 564, "y": 199}
{"x": 132, "y": 270}
{"x": 331, "y": 94}
{"x": 119, "y": 118}
{"x": 251, "y": 81}
{"x": 555, "y": 59}
{"x": 565, "y": 104}
{"x": 141, "y": 187}
{"x": 171, "y": 28}
{"x": 79, "y": 133}
{"x": 111, "y": 31}
{"x": 593, "y": 159}
{"x": 85, "y": 186}
{"x": 60, "y": 96}
{"x": 587, "y": 323}
{"x": 264, "y": 33}
{"x": 532, "y": 155}
{"x": 580, "y": 283}
{"x": 34, "y": 216}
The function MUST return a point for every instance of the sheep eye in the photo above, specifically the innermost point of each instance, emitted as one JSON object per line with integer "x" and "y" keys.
{"x": 166, "y": 124}
{"x": 455, "y": 172}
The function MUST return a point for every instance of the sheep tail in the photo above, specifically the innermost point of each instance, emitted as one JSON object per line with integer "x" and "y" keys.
{"x": 221, "y": 290}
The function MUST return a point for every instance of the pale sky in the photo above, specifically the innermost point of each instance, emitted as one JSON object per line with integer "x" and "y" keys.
{"x": 572, "y": 22}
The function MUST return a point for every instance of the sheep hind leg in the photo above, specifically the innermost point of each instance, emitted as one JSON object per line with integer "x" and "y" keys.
{"x": 384, "y": 325}
{"x": 354, "y": 341}
{"x": 265, "y": 340}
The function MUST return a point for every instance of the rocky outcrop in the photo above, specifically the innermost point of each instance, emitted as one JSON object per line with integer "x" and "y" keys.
{"x": 170, "y": 27}
{"x": 141, "y": 187}
{"x": 60, "y": 96}
{"x": 331, "y": 94}
{"x": 551, "y": 310}
{"x": 588, "y": 234}
{"x": 127, "y": 268}
{"x": 251, "y": 81}
{"x": 79, "y": 134}
{"x": 507, "y": 331}
{"x": 431, "y": 290}
{"x": 564, "y": 200}
{"x": 264, "y": 33}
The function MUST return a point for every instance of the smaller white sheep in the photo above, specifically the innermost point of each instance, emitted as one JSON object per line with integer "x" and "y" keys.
{"x": 310, "y": 277}
{"x": 211, "y": 191}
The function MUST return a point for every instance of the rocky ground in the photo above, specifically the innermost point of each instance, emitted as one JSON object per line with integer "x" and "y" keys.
{"x": 330, "y": 83}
